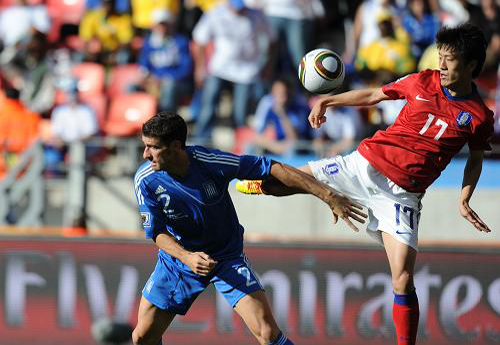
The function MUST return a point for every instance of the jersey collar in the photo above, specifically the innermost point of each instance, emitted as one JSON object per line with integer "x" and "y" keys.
{"x": 460, "y": 98}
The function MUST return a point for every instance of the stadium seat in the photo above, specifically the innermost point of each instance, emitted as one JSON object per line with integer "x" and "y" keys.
{"x": 90, "y": 78}
{"x": 66, "y": 11}
{"x": 128, "y": 112}
{"x": 122, "y": 77}
{"x": 242, "y": 137}
{"x": 7, "y": 3}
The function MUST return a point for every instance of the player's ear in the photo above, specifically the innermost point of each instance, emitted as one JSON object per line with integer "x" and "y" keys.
{"x": 471, "y": 66}
{"x": 175, "y": 145}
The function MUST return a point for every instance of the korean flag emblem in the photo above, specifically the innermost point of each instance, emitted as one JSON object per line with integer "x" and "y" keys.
{"x": 464, "y": 118}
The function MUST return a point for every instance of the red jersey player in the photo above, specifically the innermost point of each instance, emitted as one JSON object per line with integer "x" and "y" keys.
{"x": 390, "y": 171}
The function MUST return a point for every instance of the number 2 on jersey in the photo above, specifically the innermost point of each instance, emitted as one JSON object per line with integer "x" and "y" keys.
{"x": 244, "y": 271}
{"x": 439, "y": 122}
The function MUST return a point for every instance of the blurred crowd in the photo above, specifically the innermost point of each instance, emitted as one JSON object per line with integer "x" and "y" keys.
{"x": 74, "y": 70}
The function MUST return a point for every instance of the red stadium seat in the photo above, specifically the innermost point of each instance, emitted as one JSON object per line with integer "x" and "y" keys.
{"x": 242, "y": 137}
{"x": 128, "y": 112}
{"x": 122, "y": 77}
{"x": 66, "y": 11}
{"x": 90, "y": 78}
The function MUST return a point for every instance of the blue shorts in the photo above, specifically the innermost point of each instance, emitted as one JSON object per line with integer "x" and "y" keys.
{"x": 173, "y": 286}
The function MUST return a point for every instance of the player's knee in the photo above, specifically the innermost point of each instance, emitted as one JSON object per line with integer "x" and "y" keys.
{"x": 403, "y": 282}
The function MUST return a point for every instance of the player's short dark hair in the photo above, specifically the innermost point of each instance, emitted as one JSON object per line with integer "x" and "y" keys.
{"x": 166, "y": 126}
{"x": 467, "y": 40}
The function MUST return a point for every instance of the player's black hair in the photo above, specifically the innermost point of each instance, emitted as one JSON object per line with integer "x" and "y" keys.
{"x": 166, "y": 126}
{"x": 467, "y": 40}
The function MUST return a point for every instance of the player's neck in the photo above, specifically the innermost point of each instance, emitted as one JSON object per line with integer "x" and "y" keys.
{"x": 181, "y": 168}
{"x": 460, "y": 89}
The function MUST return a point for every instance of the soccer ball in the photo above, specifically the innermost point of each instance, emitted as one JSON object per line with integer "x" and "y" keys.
{"x": 321, "y": 71}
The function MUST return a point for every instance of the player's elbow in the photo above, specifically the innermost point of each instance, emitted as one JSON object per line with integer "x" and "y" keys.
{"x": 376, "y": 95}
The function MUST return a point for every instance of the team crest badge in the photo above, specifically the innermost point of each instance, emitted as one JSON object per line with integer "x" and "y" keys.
{"x": 146, "y": 219}
{"x": 210, "y": 189}
{"x": 464, "y": 118}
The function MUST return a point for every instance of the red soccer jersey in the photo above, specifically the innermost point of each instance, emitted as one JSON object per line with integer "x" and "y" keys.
{"x": 430, "y": 129}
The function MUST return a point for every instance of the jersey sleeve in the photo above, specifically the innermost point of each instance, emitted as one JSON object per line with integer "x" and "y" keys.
{"x": 482, "y": 136}
{"x": 253, "y": 167}
{"x": 400, "y": 88}
{"x": 151, "y": 211}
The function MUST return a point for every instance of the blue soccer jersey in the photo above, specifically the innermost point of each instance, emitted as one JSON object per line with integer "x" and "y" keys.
{"x": 197, "y": 209}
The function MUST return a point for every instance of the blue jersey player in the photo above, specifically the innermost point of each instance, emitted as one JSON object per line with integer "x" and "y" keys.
{"x": 187, "y": 211}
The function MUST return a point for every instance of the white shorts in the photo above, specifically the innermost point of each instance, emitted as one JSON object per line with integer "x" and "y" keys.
{"x": 391, "y": 209}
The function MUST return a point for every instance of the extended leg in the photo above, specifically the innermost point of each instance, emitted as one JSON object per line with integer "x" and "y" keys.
{"x": 405, "y": 308}
{"x": 152, "y": 323}
{"x": 254, "y": 309}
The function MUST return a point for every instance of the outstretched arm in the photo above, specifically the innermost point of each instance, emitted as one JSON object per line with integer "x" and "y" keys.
{"x": 287, "y": 180}
{"x": 361, "y": 97}
{"x": 472, "y": 172}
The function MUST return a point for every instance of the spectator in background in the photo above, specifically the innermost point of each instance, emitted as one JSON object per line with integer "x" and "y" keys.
{"x": 18, "y": 23}
{"x": 390, "y": 54}
{"x": 241, "y": 39}
{"x": 166, "y": 59}
{"x": 453, "y": 12}
{"x": 366, "y": 27}
{"x": 70, "y": 121}
{"x": 205, "y": 5}
{"x": 38, "y": 92}
{"x": 107, "y": 34}
{"x": 281, "y": 120}
{"x": 487, "y": 17}
{"x": 292, "y": 20}
{"x": 429, "y": 59}
{"x": 19, "y": 127}
{"x": 121, "y": 6}
{"x": 421, "y": 24}
{"x": 339, "y": 134}
{"x": 189, "y": 14}
{"x": 144, "y": 12}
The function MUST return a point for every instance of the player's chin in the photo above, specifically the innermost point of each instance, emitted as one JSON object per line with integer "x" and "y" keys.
{"x": 155, "y": 166}
{"x": 445, "y": 82}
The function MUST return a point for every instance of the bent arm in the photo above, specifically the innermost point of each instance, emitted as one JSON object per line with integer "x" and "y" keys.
{"x": 362, "y": 97}
{"x": 199, "y": 262}
{"x": 170, "y": 246}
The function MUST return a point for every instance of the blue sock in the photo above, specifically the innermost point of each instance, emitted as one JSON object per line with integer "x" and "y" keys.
{"x": 281, "y": 339}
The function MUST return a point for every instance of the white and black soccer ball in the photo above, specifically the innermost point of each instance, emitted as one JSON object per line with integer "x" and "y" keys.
{"x": 321, "y": 71}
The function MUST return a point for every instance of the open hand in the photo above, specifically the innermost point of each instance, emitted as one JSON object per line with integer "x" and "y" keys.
{"x": 200, "y": 263}
{"x": 469, "y": 214}
{"x": 345, "y": 208}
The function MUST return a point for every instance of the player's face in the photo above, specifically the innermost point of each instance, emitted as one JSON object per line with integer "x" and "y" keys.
{"x": 453, "y": 70}
{"x": 157, "y": 153}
